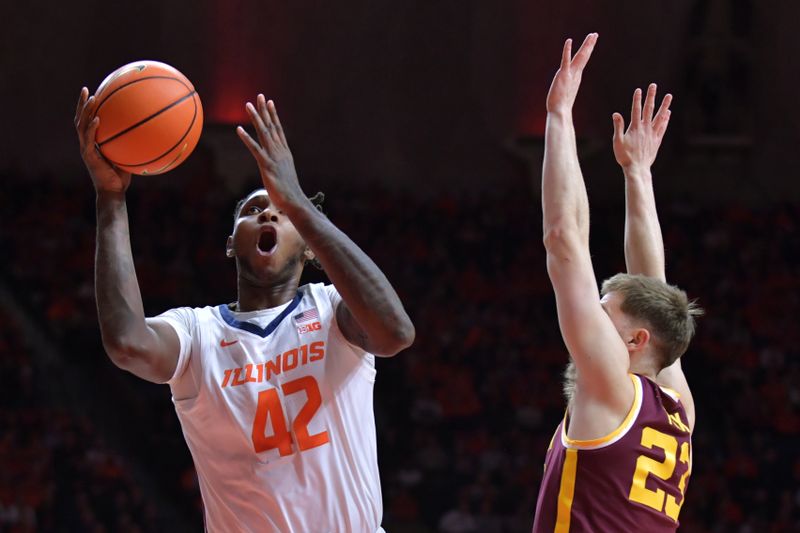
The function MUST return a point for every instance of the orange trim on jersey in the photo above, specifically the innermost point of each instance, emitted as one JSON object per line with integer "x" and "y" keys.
{"x": 566, "y": 491}
{"x": 624, "y": 426}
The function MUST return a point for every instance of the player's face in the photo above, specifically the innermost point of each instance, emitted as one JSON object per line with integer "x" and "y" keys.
{"x": 264, "y": 241}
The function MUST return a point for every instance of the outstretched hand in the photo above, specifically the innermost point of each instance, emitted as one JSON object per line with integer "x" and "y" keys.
{"x": 638, "y": 147}
{"x": 567, "y": 80}
{"x": 105, "y": 177}
{"x": 272, "y": 154}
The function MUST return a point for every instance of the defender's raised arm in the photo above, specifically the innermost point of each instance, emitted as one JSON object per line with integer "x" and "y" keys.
{"x": 595, "y": 346}
{"x": 636, "y": 150}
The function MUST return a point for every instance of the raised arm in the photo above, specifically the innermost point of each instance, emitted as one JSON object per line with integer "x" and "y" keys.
{"x": 636, "y": 150}
{"x": 600, "y": 357}
{"x": 147, "y": 348}
{"x": 370, "y": 315}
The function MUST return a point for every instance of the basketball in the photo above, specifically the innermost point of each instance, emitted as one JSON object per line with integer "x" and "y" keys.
{"x": 150, "y": 117}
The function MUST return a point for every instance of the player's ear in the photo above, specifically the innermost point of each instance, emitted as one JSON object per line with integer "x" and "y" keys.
{"x": 309, "y": 255}
{"x": 639, "y": 338}
{"x": 229, "y": 246}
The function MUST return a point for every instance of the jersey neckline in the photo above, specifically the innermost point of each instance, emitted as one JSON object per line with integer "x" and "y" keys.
{"x": 255, "y": 329}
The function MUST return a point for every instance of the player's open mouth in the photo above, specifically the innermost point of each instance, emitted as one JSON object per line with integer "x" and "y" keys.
{"x": 268, "y": 241}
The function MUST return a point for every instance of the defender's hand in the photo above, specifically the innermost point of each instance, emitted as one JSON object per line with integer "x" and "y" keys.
{"x": 105, "y": 177}
{"x": 272, "y": 154}
{"x": 567, "y": 80}
{"x": 637, "y": 148}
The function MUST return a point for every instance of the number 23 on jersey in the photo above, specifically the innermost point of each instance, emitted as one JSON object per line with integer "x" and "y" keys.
{"x": 645, "y": 466}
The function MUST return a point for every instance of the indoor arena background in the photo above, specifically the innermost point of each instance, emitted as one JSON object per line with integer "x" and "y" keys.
{"x": 422, "y": 122}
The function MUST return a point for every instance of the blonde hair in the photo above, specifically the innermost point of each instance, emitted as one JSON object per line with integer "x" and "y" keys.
{"x": 665, "y": 309}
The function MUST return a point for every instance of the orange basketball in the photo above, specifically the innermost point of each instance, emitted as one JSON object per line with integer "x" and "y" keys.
{"x": 150, "y": 117}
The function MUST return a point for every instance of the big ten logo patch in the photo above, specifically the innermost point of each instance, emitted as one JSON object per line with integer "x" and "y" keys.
{"x": 308, "y": 328}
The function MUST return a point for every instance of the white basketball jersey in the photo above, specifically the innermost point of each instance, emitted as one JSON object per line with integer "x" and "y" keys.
{"x": 279, "y": 419}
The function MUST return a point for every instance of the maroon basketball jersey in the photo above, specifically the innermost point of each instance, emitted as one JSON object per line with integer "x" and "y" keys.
{"x": 633, "y": 479}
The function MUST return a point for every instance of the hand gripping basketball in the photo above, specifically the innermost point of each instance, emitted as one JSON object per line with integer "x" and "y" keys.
{"x": 105, "y": 177}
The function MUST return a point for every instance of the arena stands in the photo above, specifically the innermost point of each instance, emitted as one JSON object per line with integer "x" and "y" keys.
{"x": 465, "y": 415}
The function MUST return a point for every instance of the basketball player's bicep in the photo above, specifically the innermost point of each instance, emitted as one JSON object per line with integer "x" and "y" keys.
{"x": 350, "y": 328}
{"x": 157, "y": 356}
{"x": 587, "y": 329}
{"x": 593, "y": 342}
{"x": 589, "y": 334}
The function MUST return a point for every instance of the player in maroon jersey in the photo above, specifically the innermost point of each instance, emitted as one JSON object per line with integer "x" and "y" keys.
{"x": 621, "y": 458}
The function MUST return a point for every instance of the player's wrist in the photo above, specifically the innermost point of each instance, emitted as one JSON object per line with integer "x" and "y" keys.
{"x": 634, "y": 171}
{"x": 109, "y": 196}
{"x": 298, "y": 208}
{"x": 560, "y": 113}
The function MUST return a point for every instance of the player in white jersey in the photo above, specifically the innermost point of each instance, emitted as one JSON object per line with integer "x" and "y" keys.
{"x": 273, "y": 391}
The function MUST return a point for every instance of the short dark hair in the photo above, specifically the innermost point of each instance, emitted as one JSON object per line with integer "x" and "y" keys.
{"x": 665, "y": 308}
{"x": 317, "y": 199}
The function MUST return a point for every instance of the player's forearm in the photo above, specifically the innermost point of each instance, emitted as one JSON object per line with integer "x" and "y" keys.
{"x": 644, "y": 246}
{"x": 365, "y": 290}
{"x": 565, "y": 206}
{"x": 119, "y": 302}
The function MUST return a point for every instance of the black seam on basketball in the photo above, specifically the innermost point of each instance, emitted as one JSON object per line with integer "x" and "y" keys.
{"x": 167, "y": 166}
{"x": 146, "y": 119}
{"x": 106, "y": 97}
{"x": 189, "y": 129}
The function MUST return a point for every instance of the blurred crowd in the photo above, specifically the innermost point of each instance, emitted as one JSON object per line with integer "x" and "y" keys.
{"x": 56, "y": 471}
{"x": 464, "y": 415}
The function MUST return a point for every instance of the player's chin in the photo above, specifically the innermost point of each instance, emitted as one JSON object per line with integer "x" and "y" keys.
{"x": 259, "y": 266}
{"x": 266, "y": 266}
{"x": 280, "y": 265}
{"x": 275, "y": 265}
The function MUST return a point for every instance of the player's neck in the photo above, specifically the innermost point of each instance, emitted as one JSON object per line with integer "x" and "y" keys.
{"x": 644, "y": 367}
{"x": 252, "y": 297}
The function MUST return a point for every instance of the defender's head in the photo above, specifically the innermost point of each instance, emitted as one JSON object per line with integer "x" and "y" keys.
{"x": 655, "y": 320}
{"x": 264, "y": 241}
